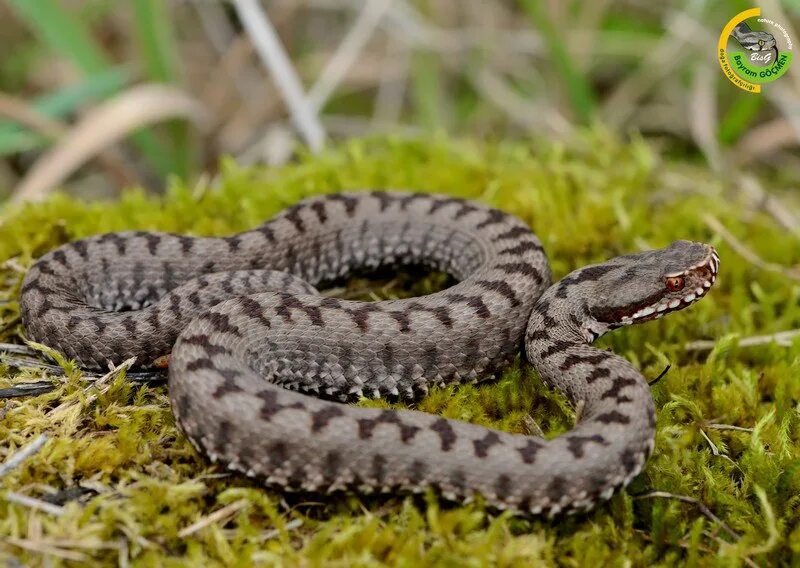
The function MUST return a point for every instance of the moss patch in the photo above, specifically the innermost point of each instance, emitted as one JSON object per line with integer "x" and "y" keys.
{"x": 593, "y": 200}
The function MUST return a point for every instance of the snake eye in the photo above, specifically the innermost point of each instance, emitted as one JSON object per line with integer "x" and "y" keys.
{"x": 675, "y": 283}
{"x": 761, "y": 42}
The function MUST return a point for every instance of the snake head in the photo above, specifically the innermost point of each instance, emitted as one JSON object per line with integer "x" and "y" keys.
{"x": 645, "y": 286}
{"x": 761, "y": 41}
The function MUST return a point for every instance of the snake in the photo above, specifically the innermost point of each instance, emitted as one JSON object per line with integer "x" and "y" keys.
{"x": 263, "y": 368}
{"x": 753, "y": 40}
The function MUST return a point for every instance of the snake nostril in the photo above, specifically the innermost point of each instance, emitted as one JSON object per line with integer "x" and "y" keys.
{"x": 704, "y": 272}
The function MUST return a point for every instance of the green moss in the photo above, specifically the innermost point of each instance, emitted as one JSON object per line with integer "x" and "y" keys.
{"x": 589, "y": 201}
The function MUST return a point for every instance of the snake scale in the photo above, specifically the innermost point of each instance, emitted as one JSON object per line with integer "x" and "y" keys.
{"x": 260, "y": 360}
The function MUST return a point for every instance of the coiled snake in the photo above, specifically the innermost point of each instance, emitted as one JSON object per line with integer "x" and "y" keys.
{"x": 255, "y": 339}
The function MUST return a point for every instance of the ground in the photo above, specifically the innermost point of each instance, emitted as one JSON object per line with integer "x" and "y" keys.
{"x": 723, "y": 486}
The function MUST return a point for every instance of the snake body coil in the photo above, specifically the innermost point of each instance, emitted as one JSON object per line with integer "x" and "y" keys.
{"x": 254, "y": 339}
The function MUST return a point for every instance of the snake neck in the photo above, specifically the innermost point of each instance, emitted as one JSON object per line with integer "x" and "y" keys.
{"x": 610, "y": 395}
{"x": 741, "y": 31}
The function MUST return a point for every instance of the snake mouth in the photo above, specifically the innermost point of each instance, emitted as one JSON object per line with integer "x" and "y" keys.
{"x": 705, "y": 271}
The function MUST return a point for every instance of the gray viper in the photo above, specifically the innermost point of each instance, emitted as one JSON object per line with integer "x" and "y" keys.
{"x": 254, "y": 346}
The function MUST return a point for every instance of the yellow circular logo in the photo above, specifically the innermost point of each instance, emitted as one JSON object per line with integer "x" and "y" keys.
{"x": 754, "y": 50}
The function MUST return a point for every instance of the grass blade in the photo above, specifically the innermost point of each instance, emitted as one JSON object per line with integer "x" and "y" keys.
{"x": 157, "y": 44}
{"x": 66, "y": 35}
{"x": 427, "y": 90}
{"x": 159, "y": 53}
{"x": 63, "y": 33}
{"x": 739, "y": 118}
{"x": 13, "y": 138}
{"x": 578, "y": 88}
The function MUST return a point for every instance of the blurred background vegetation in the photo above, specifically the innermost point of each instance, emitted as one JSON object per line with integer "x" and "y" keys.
{"x": 99, "y": 95}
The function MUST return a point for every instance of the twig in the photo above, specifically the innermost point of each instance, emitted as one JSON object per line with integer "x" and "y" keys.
{"x": 33, "y": 503}
{"x": 347, "y": 53}
{"x": 131, "y": 535}
{"x": 36, "y": 388}
{"x": 388, "y": 105}
{"x": 28, "y": 359}
{"x": 782, "y": 338}
{"x": 290, "y": 526}
{"x": 331, "y": 76}
{"x": 358, "y": 126}
{"x": 684, "y": 32}
{"x": 22, "y": 112}
{"x": 660, "y": 375}
{"x": 102, "y": 385}
{"x": 24, "y": 361}
{"x": 234, "y": 63}
{"x": 22, "y": 454}
{"x": 751, "y": 187}
{"x": 589, "y": 21}
{"x": 716, "y": 225}
{"x": 15, "y": 348}
{"x": 729, "y": 427}
{"x": 44, "y": 548}
{"x": 764, "y": 139}
{"x": 696, "y": 502}
{"x": 532, "y": 427}
{"x": 715, "y": 449}
{"x": 405, "y": 23}
{"x": 530, "y": 115}
{"x": 123, "y": 556}
{"x": 14, "y": 264}
{"x": 223, "y": 513}
{"x": 274, "y": 148}
{"x": 26, "y": 389}
{"x": 276, "y": 60}
{"x": 215, "y": 23}
{"x": 703, "y": 114}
